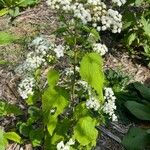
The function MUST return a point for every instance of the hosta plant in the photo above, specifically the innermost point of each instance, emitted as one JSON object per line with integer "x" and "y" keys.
{"x": 141, "y": 110}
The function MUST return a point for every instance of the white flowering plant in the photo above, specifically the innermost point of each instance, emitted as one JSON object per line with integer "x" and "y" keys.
{"x": 62, "y": 81}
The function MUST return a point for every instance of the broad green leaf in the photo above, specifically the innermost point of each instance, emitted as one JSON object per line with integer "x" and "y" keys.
{"x": 141, "y": 111}
{"x": 144, "y": 90}
{"x": 53, "y": 100}
{"x": 91, "y": 71}
{"x": 136, "y": 139}
{"x": 7, "y": 109}
{"x": 60, "y": 131}
{"x": 6, "y": 38}
{"x": 13, "y": 137}
{"x": 51, "y": 124}
{"x": 85, "y": 132}
{"x": 3, "y": 140}
{"x": 52, "y": 77}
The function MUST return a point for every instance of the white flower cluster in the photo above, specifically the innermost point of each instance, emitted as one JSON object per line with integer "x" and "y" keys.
{"x": 62, "y": 146}
{"x": 26, "y": 87}
{"x": 59, "y": 50}
{"x": 109, "y": 106}
{"x": 94, "y": 11}
{"x": 70, "y": 71}
{"x": 119, "y": 2}
{"x": 112, "y": 20}
{"x": 34, "y": 59}
{"x": 93, "y": 103}
{"x": 100, "y": 48}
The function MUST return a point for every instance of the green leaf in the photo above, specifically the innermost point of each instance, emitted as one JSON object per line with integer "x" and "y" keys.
{"x": 4, "y": 62}
{"x": 25, "y": 3}
{"x": 92, "y": 72}
{"x": 52, "y": 77}
{"x": 53, "y": 100}
{"x": 146, "y": 26}
{"x": 24, "y": 129}
{"x": 81, "y": 111}
{"x": 36, "y": 136}
{"x": 4, "y": 11}
{"x": 131, "y": 38}
{"x": 6, "y": 38}
{"x": 85, "y": 132}
{"x": 3, "y": 140}
{"x": 136, "y": 139}
{"x": 141, "y": 111}
{"x": 144, "y": 90}
{"x": 7, "y": 109}
{"x": 95, "y": 34}
{"x": 13, "y": 137}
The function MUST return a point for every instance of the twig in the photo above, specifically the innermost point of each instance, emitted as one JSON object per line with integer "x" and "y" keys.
{"x": 108, "y": 133}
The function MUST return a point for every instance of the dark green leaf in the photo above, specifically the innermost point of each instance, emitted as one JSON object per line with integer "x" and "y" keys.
{"x": 141, "y": 111}
{"x": 136, "y": 139}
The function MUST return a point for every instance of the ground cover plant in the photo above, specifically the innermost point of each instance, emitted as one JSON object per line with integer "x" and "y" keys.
{"x": 66, "y": 93}
{"x": 12, "y": 7}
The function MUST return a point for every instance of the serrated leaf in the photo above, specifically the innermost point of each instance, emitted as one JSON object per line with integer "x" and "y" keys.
{"x": 85, "y": 132}
{"x": 136, "y": 139}
{"x": 13, "y": 137}
{"x": 141, "y": 111}
{"x": 144, "y": 90}
{"x": 92, "y": 72}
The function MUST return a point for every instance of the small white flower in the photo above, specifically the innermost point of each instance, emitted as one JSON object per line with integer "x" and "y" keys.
{"x": 71, "y": 142}
{"x": 93, "y": 103}
{"x": 100, "y": 48}
{"x": 62, "y": 146}
{"x": 59, "y": 50}
{"x": 26, "y": 87}
{"x": 109, "y": 106}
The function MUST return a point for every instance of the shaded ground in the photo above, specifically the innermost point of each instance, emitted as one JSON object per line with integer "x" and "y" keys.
{"x": 42, "y": 20}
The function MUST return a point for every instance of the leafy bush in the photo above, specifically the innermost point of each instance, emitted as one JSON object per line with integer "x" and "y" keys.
{"x": 140, "y": 110}
{"x": 136, "y": 28}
